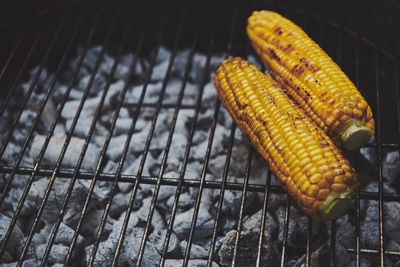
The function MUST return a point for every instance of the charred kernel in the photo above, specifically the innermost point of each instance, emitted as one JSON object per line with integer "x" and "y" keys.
{"x": 313, "y": 80}
{"x": 294, "y": 148}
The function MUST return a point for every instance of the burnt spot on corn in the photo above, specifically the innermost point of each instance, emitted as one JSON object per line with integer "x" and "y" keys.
{"x": 278, "y": 30}
{"x": 271, "y": 52}
{"x": 287, "y": 49}
{"x": 297, "y": 70}
{"x": 308, "y": 65}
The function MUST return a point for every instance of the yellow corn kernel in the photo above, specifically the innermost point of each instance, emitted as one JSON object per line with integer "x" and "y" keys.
{"x": 312, "y": 170}
{"x": 312, "y": 79}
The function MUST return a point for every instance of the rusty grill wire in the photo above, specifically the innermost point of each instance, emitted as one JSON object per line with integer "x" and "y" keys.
{"x": 367, "y": 63}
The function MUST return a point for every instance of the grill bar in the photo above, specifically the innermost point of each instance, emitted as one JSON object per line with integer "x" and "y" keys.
{"x": 181, "y": 181}
{"x": 378, "y": 132}
{"x": 358, "y": 212}
{"x": 19, "y": 76}
{"x": 227, "y": 160}
{"x": 68, "y": 138}
{"x": 263, "y": 218}
{"x": 104, "y": 149}
{"x": 41, "y": 154}
{"x": 140, "y": 169}
{"x": 36, "y": 172}
{"x": 397, "y": 80}
{"x": 285, "y": 231}
{"x": 242, "y": 202}
{"x": 188, "y": 182}
{"x": 333, "y": 244}
{"x": 22, "y": 151}
{"x": 308, "y": 244}
{"x": 10, "y": 56}
{"x": 221, "y": 194}
{"x": 172, "y": 127}
{"x": 115, "y": 180}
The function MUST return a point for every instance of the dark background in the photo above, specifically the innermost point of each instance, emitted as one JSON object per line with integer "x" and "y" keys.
{"x": 378, "y": 21}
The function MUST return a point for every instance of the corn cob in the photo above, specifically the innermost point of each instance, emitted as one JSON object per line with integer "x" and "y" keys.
{"x": 303, "y": 158}
{"x": 312, "y": 79}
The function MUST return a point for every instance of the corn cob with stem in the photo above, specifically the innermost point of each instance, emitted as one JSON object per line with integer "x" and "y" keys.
{"x": 310, "y": 167}
{"x": 312, "y": 79}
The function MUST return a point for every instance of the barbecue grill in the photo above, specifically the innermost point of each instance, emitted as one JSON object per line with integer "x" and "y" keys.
{"x": 110, "y": 106}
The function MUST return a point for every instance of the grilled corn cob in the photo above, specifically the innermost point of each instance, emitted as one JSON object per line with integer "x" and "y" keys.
{"x": 310, "y": 167}
{"x": 312, "y": 79}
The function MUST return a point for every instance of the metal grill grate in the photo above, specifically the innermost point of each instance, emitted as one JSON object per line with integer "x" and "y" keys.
{"x": 51, "y": 45}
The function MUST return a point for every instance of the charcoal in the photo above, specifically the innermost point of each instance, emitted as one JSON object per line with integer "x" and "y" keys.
{"x": 370, "y": 226}
{"x": 233, "y": 199}
{"x": 391, "y": 163}
{"x": 239, "y": 157}
{"x": 59, "y": 93}
{"x": 172, "y": 91}
{"x": 298, "y": 227}
{"x": 151, "y": 96}
{"x": 59, "y": 130}
{"x": 160, "y": 69}
{"x": 227, "y": 223}
{"x": 191, "y": 94}
{"x": 345, "y": 234}
{"x": 157, "y": 221}
{"x": 193, "y": 170}
{"x": 64, "y": 237}
{"x": 130, "y": 248}
{"x": 71, "y": 156}
{"x": 43, "y": 75}
{"x": 15, "y": 237}
{"x": 57, "y": 253}
{"x": 216, "y": 165}
{"x": 157, "y": 238}
{"x": 185, "y": 202}
{"x": 150, "y": 167}
{"x": 116, "y": 147}
{"x": 26, "y": 119}
{"x": 56, "y": 198}
{"x": 392, "y": 219}
{"x": 196, "y": 251}
{"x": 203, "y": 228}
{"x": 191, "y": 263}
{"x": 106, "y": 65}
{"x": 91, "y": 224}
{"x": 392, "y": 246}
{"x": 122, "y": 70}
{"x": 26, "y": 263}
{"x": 81, "y": 128}
{"x": 342, "y": 257}
{"x": 247, "y": 249}
{"x": 254, "y": 221}
{"x": 167, "y": 191}
{"x": 178, "y": 145}
{"x": 320, "y": 255}
{"x": 209, "y": 95}
{"x": 122, "y": 126}
{"x": 98, "y": 83}
{"x": 88, "y": 109}
{"x": 11, "y": 153}
{"x": 39, "y": 238}
{"x": 119, "y": 204}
